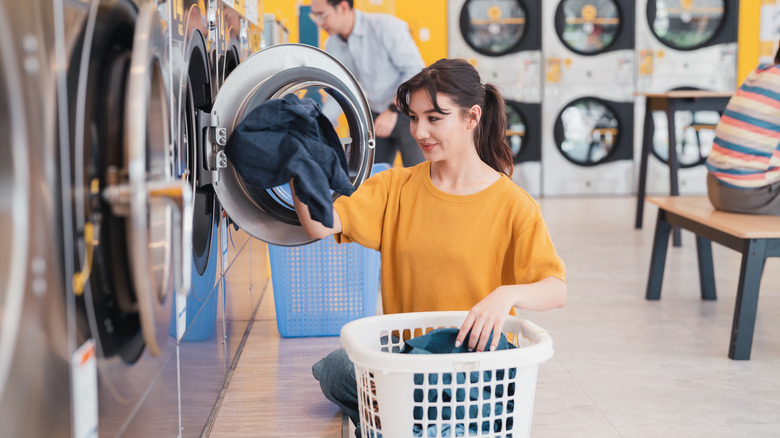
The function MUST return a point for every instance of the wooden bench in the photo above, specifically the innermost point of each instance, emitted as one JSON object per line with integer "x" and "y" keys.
{"x": 755, "y": 236}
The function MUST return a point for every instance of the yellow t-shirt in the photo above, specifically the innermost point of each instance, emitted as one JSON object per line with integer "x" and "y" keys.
{"x": 442, "y": 251}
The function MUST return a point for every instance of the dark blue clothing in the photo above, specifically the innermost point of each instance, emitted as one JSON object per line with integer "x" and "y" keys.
{"x": 442, "y": 341}
{"x": 290, "y": 137}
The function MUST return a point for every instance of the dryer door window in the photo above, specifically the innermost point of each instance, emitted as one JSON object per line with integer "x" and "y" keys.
{"x": 587, "y": 131}
{"x": 685, "y": 24}
{"x": 515, "y": 132}
{"x": 695, "y": 132}
{"x": 588, "y": 27}
{"x": 267, "y": 214}
{"x": 493, "y": 27}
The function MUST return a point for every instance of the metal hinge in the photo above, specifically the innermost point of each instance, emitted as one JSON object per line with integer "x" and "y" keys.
{"x": 214, "y": 157}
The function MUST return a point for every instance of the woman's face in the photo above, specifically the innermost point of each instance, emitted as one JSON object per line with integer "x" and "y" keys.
{"x": 441, "y": 136}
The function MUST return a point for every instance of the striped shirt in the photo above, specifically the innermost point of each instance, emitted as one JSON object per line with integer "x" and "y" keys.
{"x": 746, "y": 150}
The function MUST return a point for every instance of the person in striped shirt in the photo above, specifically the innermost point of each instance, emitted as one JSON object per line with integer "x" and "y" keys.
{"x": 744, "y": 164}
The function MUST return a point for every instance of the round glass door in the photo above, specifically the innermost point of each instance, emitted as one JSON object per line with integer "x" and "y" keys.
{"x": 515, "y": 131}
{"x": 493, "y": 27}
{"x": 588, "y": 27}
{"x": 694, "y": 132}
{"x": 267, "y": 213}
{"x": 105, "y": 289}
{"x": 685, "y": 24}
{"x": 586, "y": 131}
{"x": 129, "y": 215}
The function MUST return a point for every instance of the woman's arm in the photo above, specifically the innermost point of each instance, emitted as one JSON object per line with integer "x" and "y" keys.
{"x": 488, "y": 315}
{"x": 313, "y": 229}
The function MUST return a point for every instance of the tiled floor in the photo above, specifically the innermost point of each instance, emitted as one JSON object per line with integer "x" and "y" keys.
{"x": 623, "y": 366}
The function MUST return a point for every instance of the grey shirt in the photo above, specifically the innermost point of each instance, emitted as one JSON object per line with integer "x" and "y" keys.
{"x": 381, "y": 53}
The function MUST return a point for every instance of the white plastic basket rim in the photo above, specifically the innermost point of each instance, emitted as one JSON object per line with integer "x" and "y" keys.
{"x": 360, "y": 340}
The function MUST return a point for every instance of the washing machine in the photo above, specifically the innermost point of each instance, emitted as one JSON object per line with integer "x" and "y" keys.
{"x": 682, "y": 45}
{"x": 126, "y": 214}
{"x": 36, "y": 333}
{"x": 503, "y": 40}
{"x": 192, "y": 91}
{"x": 587, "y": 111}
{"x": 208, "y": 41}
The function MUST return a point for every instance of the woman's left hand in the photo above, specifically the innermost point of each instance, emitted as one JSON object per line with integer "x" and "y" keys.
{"x": 486, "y": 317}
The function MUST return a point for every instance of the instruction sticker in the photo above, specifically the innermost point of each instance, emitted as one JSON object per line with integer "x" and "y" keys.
{"x": 85, "y": 393}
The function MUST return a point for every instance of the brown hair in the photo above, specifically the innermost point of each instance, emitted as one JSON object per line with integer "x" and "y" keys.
{"x": 460, "y": 81}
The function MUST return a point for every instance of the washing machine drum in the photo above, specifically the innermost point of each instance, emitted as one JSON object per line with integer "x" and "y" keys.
{"x": 686, "y": 24}
{"x": 494, "y": 27}
{"x": 588, "y": 27}
{"x": 269, "y": 215}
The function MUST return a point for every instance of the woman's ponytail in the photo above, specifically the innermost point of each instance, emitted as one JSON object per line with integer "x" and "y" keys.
{"x": 490, "y": 138}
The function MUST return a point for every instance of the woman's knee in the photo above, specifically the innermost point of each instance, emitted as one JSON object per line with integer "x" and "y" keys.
{"x": 334, "y": 369}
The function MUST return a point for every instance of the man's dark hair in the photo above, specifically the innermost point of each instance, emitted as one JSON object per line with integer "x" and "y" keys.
{"x": 335, "y": 3}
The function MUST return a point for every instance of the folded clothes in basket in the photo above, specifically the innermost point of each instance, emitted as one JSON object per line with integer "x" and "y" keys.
{"x": 442, "y": 341}
{"x": 290, "y": 137}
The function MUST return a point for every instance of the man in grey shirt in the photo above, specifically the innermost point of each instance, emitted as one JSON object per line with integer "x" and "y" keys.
{"x": 379, "y": 50}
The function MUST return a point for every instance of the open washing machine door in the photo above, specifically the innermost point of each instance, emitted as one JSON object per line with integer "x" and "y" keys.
{"x": 269, "y": 74}
{"x": 14, "y": 199}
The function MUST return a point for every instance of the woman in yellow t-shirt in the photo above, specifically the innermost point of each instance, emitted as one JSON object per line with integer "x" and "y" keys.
{"x": 454, "y": 232}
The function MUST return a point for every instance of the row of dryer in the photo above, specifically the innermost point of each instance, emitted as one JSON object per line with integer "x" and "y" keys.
{"x": 571, "y": 71}
{"x": 121, "y": 307}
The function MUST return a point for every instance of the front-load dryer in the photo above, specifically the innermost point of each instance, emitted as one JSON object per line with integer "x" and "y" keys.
{"x": 125, "y": 212}
{"x": 587, "y": 111}
{"x": 503, "y": 40}
{"x": 684, "y": 44}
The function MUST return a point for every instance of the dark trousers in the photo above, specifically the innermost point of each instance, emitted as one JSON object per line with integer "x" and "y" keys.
{"x": 760, "y": 200}
{"x": 400, "y": 140}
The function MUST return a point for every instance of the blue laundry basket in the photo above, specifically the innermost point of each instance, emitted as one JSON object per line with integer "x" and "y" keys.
{"x": 321, "y": 286}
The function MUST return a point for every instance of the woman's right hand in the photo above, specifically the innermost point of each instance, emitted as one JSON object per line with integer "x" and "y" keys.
{"x": 314, "y": 229}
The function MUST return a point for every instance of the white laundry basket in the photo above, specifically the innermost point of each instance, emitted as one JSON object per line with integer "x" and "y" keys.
{"x": 486, "y": 394}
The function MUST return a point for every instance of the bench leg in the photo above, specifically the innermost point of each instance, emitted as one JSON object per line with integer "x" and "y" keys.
{"x": 658, "y": 258}
{"x": 753, "y": 258}
{"x": 706, "y": 270}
